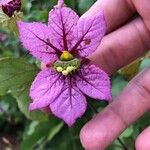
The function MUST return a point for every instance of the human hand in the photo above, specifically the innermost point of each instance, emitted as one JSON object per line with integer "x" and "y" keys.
{"x": 128, "y": 37}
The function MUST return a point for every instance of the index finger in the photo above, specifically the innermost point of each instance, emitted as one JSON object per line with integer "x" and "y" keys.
{"x": 132, "y": 103}
{"x": 116, "y": 12}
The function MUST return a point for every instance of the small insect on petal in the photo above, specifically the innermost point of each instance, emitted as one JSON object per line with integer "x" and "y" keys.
{"x": 87, "y": 41}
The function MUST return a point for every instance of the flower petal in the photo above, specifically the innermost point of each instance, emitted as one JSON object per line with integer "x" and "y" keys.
{"x": 61, "y": 23}
{"x": 70, "y": 104}
{"x": 35, "y": 38}
{"x": 94, "y": 82}
{"x": 45, "y": 88}
{"x": 88, "y": 34}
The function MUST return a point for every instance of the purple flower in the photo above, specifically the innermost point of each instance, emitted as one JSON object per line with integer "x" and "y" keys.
{"x": 10, "y": 6}
{"x": 66, "y": 42}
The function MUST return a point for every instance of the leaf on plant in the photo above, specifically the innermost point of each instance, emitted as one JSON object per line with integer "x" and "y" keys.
{"x": 16, "y": 76}
{"x": 54, "y": 131}
{"x": 40, "y": 130}
{"x": 118, "y": 83}
{"x": 10, "y": 22}
{"x": 84, "y": 5}
{"x": 128, "y": 132}
{"x": 3, "y": 17}
{"x": 131, "y": 70}
{"x": 145, "y": 63}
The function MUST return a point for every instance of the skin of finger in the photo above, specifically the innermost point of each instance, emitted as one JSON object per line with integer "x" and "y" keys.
{"x": 115, "y": 16}
{"x": 142, "y": 142}
{"x": 131, "y": 104}
{"x": 122, "y": 46}
{"x": 143, "y": 8}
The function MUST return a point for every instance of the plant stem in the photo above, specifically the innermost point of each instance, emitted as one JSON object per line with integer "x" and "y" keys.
{"x": 72, "y": 139}
{"x": 92, "y": 107}
{"x": 96, "y": 112}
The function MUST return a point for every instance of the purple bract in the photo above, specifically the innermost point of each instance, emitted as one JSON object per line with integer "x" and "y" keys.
{"x": 10, "y": 6}
{"x": 64, "y": 44}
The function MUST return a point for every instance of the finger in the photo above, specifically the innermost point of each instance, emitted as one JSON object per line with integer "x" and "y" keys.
{"x": 122, "y": 46}
{"x": 142, "y": 142}
{"x": 132, "y": 103}
{"x": 116, "y": 12}
{"x": 143, "y": 8}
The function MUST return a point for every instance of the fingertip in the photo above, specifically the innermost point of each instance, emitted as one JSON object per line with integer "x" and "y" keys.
{"x": 92, "y": 139}
{"x": 142, "y": 142}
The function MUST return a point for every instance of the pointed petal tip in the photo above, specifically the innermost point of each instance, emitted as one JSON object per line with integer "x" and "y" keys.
{"x": 70, "y": 124}
{"x": 109, "y": 98}
{"x": 32, "y": 107}
{"x": 60, "y": 3}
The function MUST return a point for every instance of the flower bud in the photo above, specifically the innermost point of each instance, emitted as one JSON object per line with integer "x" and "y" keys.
{"x": 10, "y": 6}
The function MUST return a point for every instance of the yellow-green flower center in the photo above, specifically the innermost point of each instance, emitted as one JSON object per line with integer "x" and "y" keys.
{"x": 66, "y": 56}
{"x": 67, "y": 64}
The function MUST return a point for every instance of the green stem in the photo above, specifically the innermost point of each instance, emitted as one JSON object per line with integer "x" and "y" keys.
{"x": 96, "y": 112}
{"x": 72, "y": 139}
{"x": 92, "y": 107}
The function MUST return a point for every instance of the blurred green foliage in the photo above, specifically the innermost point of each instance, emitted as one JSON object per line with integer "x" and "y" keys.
{"x": 17, "y": 71}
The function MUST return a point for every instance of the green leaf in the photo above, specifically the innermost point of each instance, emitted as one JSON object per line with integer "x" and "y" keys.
{"x": 118, "y": 83}
{"x": 10, "y": 22}
{"x": 131, "y": 70}
{"x": 71, "y": 3}
{"x": 40, "y": 130}
{"x": 84, "y": 5}
{"x": 68, "y": 138}
{"x": 145, "y": 63}
{"x": 16, "y": 76}
{"x": 54, "y": 131}
{"x": 3, "y": 17}
{"x": 128, "y": 132}
{"x": 65, "y": 140}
